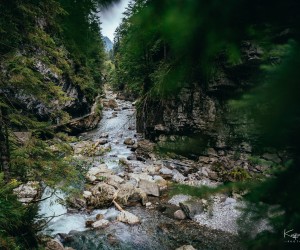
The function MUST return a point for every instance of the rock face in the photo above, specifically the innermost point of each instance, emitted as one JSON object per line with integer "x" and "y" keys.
{"x": 200, "y": 109}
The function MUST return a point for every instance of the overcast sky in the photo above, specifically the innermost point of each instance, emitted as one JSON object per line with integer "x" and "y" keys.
{"x": 111, "y": 18}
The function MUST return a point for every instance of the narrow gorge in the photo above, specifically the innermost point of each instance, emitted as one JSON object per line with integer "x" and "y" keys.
{"x": 143, "y": 124}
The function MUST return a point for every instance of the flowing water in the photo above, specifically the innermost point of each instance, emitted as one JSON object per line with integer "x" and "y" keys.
{"x": 156, "y": 230}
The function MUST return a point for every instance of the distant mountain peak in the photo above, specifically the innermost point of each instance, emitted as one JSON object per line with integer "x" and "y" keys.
{"x": 108, "y": 44}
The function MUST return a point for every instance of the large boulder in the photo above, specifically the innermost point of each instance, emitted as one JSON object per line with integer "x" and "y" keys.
{"x": 192, "y": 207}
{"x": 114, "y": 180}
{"x": 127, "y": 217}
{"x": 102, "y": 195}
{"x": 100, "y": 172}
{"x": 27, "y": 192}
{"x": 149, "y": 187}
{"x": 128, "y": 193}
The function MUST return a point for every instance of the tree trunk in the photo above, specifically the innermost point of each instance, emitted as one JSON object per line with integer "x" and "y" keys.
{"x": 4, "y": 146}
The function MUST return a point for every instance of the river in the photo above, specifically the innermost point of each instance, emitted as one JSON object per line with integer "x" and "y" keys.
{"x": 157, "y": 230}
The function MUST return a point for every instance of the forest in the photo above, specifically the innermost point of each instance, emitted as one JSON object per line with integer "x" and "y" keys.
{"x": 184, "y": 135}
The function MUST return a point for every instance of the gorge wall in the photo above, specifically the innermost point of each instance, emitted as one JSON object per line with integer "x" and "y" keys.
{"x": 202, "y": 108}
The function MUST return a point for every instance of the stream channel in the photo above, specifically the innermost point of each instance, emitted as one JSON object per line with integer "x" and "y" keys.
{"x": 156, "y": 229}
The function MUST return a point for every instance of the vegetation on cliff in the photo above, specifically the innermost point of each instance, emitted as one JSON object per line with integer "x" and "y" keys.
{"x": 163, "y": 46}
{"x": 47, "y": 50}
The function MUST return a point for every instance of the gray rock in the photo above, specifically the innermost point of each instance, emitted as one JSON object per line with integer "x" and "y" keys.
{"x": 161, "y": 182}
{"x": 27, "y": 192}
{"x": 176, "y": 199}
{"x": 192, "y": 207}
{"x": 100, "y": 223}
{"x": 102, "y": 141}
{"x": 127, "y": 192}
{"x": 104, "y": 135}
{"x": 131, "y": 158}
{"x": 102, "y": 195}
{"x": 272, "y": 157}
{"x": 114, "y": 180}
{"x": 54, "y": 245}
{"x": 87, "y": 194}
{"x": 129, "y": 141}
{"x": 178, "y": 177}
{"x": 245, "y": 147}
{"x": 127, "y": 217}
{"x": 211, "y": 152}
{"x": 149, "y": 187}
{"x": 166, "y": 171}
{"x": 213, "y": 176}
{"x": 186, "y": 247}
{"x": 229, "y": 201}
{"x": 179, "y": 214}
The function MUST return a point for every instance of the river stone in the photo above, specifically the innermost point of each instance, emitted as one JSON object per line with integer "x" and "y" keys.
{"x": 176, "y": 199}
{"x": 179, "y": 214}
{"x": 186, "y": 247}
{"x": 213, "y": 176}
{"x": 129, "y": 141}
{"x": 54, "y": 245}
{"x": 99, "y": 216}
{"x": 103, "y": 195}
{"x": 87, "y": 194}
{"x": 100, "y": 223}
{"x": 112, "y": 103}
{"x": 149, "y": 187}
{"x": 89, "y": 223}
{"x": 114, "y": 180}
{"x": 229, "y": 200}
{"x": 102, "y": 141}
{"x": 104, "y": 135}
{"x": 94, "y": 172}
{"x": 271, "y": 157}
{"x": 141, "y": 176}
{"x": 211, "y": 152}
{"x": 161, "y": 182}
{"x": 27, "y": 192}
{"x": 131, "y": 158}
{"x": 178, "y": 177}
{"x": 127, "y": 217}
{"x": 166, "y": 171}
{"x": 192, "y": 207}
{"x": 128, "y": 192}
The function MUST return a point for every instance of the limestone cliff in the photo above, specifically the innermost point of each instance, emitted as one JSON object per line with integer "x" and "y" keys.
{"x": 202, "y": 108}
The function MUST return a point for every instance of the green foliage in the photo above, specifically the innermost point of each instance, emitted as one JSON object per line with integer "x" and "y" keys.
{"x": 239, "y": 174}
{"x": 180, "y": 43}
{"x": 16, "y": 220}
{"x": 43, "y": 44}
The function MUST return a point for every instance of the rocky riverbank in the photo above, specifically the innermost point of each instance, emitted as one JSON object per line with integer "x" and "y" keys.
{"x": 126, "y": 203}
